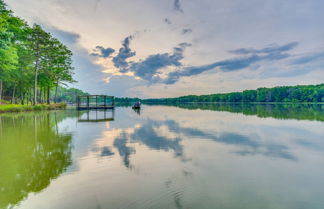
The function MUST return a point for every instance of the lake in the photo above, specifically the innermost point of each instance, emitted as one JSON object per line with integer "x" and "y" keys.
{"x": 186, "y": 156}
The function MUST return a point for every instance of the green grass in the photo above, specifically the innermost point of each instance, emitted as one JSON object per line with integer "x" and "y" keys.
{"x": 4, "y": 102}
{"x": 24, "y": 108}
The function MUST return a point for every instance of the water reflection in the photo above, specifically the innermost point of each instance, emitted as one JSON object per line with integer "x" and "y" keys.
{"x": 106, "y": 151}
{"x": 96, "y": 115}
{"x": 278, "y": 111}
{"x": 249, "y": 146}
{"x": 148, "y": 134}
{"x": 166, "y": 157}
{"x": 32, "y": 153}
{"x": 124, "y": 151}
{"x": 137, "y": 110}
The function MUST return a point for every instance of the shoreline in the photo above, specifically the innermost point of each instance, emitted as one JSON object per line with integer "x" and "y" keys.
{"x": 254, "y": 103}
{"x": 13, "y": 108}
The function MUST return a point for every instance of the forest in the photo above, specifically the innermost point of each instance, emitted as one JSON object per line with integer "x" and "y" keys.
{"x": 281, "y": 94}
{"x": 293, "y": 94}
{"x": 66, "y": 95}
{"x": 33, "y": 64}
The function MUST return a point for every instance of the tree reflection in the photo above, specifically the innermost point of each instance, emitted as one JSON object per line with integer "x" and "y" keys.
{"x": 32, "y": 153}
{"x": 278, "y": 111}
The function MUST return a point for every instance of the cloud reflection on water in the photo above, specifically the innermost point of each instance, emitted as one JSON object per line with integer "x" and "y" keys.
{"x": 149, "y": 134}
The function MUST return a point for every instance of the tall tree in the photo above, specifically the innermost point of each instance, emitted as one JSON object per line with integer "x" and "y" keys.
{"x": 8, "y": 53}
{"x": 38, "y": 40}
{"x": 31, "y": 60}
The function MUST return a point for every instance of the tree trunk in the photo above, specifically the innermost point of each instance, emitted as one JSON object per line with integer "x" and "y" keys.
{"x": 35, "y": 88}
{"x": 27, "y": 96}
{"x": 48, "y": 95}
{"x": 13, "y": 95}
{"x": 44, "y": 95}
{"x": 55, "y": 93}
{"x": 40, "y": 93}
{"x": 1, "y": 87}
{"x": 30, "y": 96}
{"x": 35, "y": 83}
{"x": 22, "y": 98}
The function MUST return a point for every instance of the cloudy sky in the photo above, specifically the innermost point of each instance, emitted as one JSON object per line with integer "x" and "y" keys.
{"x": 167, "y": 48}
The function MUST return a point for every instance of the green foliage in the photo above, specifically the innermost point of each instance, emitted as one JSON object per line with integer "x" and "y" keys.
{"x": 24, "y": 108}
{"x": 2, "y": 6}
{"x": 291, "y": 94}
{"x": 32, "y": 62}
{"x": 4, "y": 102}
{"x": 126, "y": 100}
{"x": 67, "y": 95}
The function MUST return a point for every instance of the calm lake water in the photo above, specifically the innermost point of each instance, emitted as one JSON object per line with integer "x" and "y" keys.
{"x": 191, "y": 156}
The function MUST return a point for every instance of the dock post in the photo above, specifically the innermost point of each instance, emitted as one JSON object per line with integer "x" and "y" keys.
{"x": 96, "y": 102}
{"x": 78, "y": 98}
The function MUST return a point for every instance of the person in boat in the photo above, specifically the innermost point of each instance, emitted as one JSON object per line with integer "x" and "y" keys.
{"x": 137, "y": 105}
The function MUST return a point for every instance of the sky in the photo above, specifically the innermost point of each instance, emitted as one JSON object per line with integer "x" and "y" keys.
{"x": 170, "y": 48}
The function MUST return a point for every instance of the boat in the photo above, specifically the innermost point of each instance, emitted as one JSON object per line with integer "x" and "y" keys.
{"x": 137, "y": 105}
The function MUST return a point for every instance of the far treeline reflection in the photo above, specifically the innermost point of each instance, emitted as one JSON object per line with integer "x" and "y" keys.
{"x": 33, "y": 152}
{"x": 278, "y": 111}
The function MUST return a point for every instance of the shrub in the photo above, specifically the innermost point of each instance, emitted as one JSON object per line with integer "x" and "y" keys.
{"x": 39, "y": 107}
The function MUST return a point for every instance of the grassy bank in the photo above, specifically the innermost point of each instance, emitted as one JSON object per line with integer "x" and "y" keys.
{"x": 24, "y": 108}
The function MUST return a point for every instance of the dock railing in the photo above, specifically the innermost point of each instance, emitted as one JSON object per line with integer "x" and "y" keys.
{"x": 95, "y": 102}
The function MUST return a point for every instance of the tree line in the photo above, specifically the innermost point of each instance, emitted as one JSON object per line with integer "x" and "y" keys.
{"x": 294, "y": 94}
{"x": 67, "y": 95}
{"x": 283, "y": 94}
{"x": 32, "y": 61}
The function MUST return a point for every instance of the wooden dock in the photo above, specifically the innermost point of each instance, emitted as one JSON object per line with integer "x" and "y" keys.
{"x": 95, "y": 102}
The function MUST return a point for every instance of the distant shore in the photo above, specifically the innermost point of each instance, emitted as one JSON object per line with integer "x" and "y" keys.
{"x": 253, "y": 103}
{"x": 6, "y": 108}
